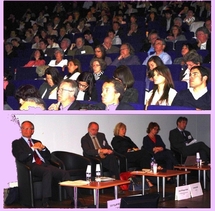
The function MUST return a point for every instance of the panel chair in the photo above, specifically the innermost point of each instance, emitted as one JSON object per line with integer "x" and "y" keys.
{"x": 29, "y": 186}
{"x": 74, "y": 163}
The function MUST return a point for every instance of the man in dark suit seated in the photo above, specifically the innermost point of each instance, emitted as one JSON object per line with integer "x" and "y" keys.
{"x": 112, "y": 93}
{"x": 66, "y": 96}
{"x": 37, "y": 156}
{"x": 181, "y": 140}
{"x": 95, "y": 144}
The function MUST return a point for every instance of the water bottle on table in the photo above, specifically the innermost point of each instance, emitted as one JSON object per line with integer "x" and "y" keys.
{"x": 88, "y": 174}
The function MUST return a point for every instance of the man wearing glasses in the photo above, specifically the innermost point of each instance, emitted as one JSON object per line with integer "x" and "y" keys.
{"x": 197, "y": 96}
{"x": 67, "y": 93}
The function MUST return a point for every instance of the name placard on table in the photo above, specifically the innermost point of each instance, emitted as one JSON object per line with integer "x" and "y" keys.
{"x": 188, "y": 191}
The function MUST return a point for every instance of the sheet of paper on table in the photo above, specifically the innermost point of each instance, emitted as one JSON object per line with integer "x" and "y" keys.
{"x": 75, "y": 182}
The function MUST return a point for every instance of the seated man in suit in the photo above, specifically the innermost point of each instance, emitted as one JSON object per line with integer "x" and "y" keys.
{"x": 180, "y": 138}
{"x": 79, "y": 48}
{"x": 66, "y": 96}
{"x": 197, "y": 96}
{"x": 112, "y": 93}
{"x": 95, "y": 144}
{"x": 37, "y": 156}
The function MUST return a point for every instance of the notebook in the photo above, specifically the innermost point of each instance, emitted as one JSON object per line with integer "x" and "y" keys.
{"x": 190, "y": 161}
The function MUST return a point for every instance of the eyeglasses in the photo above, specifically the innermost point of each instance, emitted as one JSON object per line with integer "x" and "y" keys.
{"x": 62, "y": 89}
{"x": 82, "y": 85}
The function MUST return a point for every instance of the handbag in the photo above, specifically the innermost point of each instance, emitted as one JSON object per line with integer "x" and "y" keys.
{"x": 12, "y": 196}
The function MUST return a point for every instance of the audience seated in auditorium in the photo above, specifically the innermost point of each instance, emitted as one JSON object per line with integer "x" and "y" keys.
{"x": 175, "y": 34}
{"x": 51, "y": 39}
{"x": 89, "y": 39}
{"x": 100, "y": 53}
{"x": 74, "y": 69}
{"x": 148, "y": 45}
{"x": 153, "y": 62}
{"x": 36, "y": 42}
{"x": 47, "y": 51}
{"x": 33, "y": 104}
{"x": 125, "y": 76}
{"x": 98, "y": 67}
{"x": 9, "y": 52}
{"x": 203, "y": 42}
{"x": 48, "y": 90}
{"x": 186, "y": 48}
{"x": 159, "y": 47}
{"x": 116, "y": 40}
{"x": 37, "y": 59}
{"x": 163, "y": 91}
{"x": 112, "y": 93}
{"x": 59, "y": 60}
{"x": 65, "y": 45}
{"x": 109, "y": 47}
{"x": 26, "y": 91}
{"x": 79, "y": 48}
{"x": 66, "y": 96}
{"x": 86, "y": 86}
{"x": 191, "y": 59}
{"x": 126, "y": 56}
{"x": 197, "y": 95}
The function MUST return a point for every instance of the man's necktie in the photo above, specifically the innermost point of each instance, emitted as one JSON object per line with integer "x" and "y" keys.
{"x": 184, "y": 135}
{"x": 95, "y": 142}
{"x": 96, "y": 145}
{"x": 36, "y": 157}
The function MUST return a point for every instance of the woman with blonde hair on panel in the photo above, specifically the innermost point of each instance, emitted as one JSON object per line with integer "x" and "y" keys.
{"x": 122, "y": 144}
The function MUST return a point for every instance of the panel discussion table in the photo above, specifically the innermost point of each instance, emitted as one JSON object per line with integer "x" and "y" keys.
{"x": 168, "y": 173}
{"x": 203, "y": 168}
{"x": 96, "y": 186}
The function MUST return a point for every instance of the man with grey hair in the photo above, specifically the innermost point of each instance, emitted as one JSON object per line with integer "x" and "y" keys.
{"x": 67, "y": 93}
{"x": 203, "y": 42}
{"x": 65, "y": 45}
{"x": 159, "y": 47}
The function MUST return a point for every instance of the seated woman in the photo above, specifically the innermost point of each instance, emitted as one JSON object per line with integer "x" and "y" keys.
{"x": 125, "y": 146}
{"x": 26, "y": 91}
{"x": 175, "y": 34}
{"x": 58, "y": 61}
{"x": 124, "y": 74}
{"x": 98, "y": 67}
{"x": 126, "y": 56}
{"x": 100, "y": 53}
{"x": 74, "y": 69}
{"x": 153, "y": 62}
{"x": 186, "y": 48}
{"x": 87, "y": 88}
{"x": 163, "y": 91}
{"x": 154, "y": 144}
{"x": 48, "y": 90}
{"x": 37, "y": 59}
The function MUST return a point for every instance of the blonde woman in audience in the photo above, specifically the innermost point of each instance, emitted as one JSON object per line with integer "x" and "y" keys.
{"x": 163, "y": 91}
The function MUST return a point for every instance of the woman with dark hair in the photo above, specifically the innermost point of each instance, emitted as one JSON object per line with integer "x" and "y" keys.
{"x": 153, "y": 62}
{"x": 186, "y": 48}
{"x": 175, "y": 34}
{"x": 154, "y": 144}
{"x": 26, "y": 91}
{"x": 37, "y": 59}
{"x": 163, "y": 91}
{"x": 98, "y": 67}
{"x": 48, "y": 90}
{"x": 86, "y": 85}
{"x": 74, "y": 69}
{"x": 100, "y": 53}
{"x": 124, "y": 75}
{"x": 126, "y": 56}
